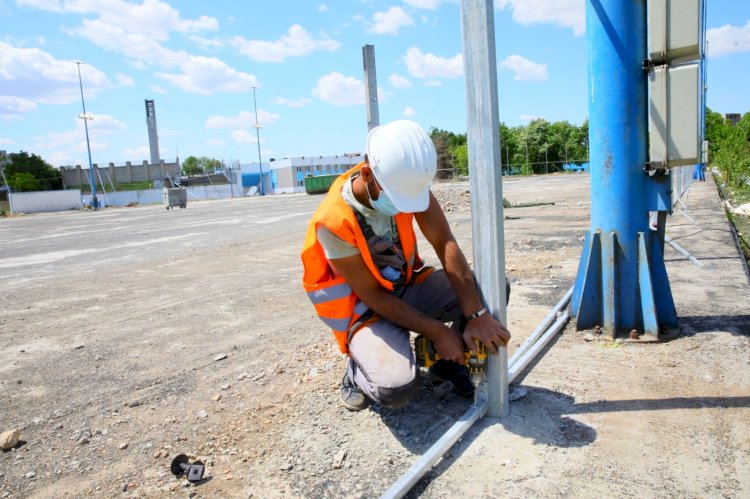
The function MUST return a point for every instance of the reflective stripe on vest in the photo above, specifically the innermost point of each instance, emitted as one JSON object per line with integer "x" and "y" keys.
{"x": 334, "y": 300}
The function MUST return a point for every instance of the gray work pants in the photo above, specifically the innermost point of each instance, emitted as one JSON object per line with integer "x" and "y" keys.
{"x": 382, "y": 362}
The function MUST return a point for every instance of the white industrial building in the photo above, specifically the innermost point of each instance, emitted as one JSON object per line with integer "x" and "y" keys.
{"x": 287, "y": 175}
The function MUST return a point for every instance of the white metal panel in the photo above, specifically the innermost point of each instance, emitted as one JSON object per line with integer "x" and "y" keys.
{"x": 674, "y": 116}
{"x": 674, "y": 30}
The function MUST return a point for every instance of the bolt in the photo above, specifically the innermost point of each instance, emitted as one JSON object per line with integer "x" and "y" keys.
{"x": 194, "y": 471}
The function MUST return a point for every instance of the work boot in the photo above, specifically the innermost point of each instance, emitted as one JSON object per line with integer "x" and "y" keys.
{"x": 352, "y": 397}
{"x": 457, "y": 374}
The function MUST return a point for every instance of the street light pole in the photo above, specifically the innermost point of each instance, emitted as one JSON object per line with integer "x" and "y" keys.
{"x": 86, "y": 117}
{"x": 257, "y": 136}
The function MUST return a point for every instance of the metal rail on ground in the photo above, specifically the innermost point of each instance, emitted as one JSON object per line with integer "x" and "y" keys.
{"x": 545, "y": 333}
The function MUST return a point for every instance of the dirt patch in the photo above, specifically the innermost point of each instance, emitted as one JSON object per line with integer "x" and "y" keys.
{"x": 207, "y": 346}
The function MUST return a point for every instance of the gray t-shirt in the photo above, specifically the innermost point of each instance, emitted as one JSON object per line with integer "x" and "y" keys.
{"x": 382, "y": 225}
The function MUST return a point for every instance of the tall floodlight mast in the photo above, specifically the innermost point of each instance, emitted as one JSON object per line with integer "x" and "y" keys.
{"x": 257, "y": 137}
{"x": 86, "y": 117}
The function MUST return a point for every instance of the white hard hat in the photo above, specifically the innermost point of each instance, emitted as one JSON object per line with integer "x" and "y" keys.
{"x": 403, "y": 159}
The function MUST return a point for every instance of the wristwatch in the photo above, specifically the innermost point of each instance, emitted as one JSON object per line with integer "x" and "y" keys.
{"x": 476, "y": 314}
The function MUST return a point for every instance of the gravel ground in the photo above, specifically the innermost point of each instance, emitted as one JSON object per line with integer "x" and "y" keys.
{"x": 108, "y": 383}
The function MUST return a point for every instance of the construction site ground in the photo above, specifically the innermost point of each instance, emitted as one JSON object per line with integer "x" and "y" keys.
{"x": 128, "y": 336}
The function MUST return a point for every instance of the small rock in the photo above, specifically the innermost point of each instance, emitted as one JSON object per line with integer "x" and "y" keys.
{"x": 216, "y": 398}
{"x": 242, "y": 376}
{"x": 9, "y": 439}
{"x": 286, "y": 467}
{"x": 31, "y": 474}
{"x": 77, "y": 347}
{"x": 338, "y": 459}
{"x": 589, "y": 337}
{"x": 83, "y": 441}
{"x": 135, "y": 403}
{"x": 124, "y": 487}
{"x": 124, "y": 445}
{"x": 313, "y": 372}
{"x": 442, "y": 389}
{"x": 517, "y": 392}
{"x": 226, "y": 386}
{"x": 258, "y": 377}
{"x": 201, "y": 414}
{"x": 219, "y": 357}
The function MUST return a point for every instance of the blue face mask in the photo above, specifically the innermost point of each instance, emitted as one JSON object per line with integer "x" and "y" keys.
{"x": 383, "y": 204}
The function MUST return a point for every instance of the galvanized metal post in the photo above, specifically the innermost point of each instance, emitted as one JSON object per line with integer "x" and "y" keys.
{"x": 621, "y": 265}
{"x": 483, "y": 137}
{"x": 371, "y": 86}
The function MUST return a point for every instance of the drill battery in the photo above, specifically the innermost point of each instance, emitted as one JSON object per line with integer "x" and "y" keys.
{"x": 427, "y": 355}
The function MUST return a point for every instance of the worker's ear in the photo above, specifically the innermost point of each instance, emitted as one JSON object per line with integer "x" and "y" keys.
{"x": 366, "y": 172}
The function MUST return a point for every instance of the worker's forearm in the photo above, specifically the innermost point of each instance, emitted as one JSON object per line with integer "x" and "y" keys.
{"x": 397, "y": 311}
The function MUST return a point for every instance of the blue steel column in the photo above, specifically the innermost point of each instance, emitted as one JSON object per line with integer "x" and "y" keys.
{"x": 611, "y": 288}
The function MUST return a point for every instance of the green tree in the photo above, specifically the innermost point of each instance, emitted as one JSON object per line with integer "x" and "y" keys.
{"x": 31, "y": 172}
{"x": 461, "y": 159}
{"x": 200, "y": 165}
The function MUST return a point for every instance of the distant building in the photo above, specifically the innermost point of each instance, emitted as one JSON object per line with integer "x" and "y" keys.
{"x": 165, "y": 173}
{"x": 287, "y": 175}
{"x": 733, "y": 118}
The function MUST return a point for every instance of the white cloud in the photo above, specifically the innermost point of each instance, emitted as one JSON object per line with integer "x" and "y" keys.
{"x": 295, "y": 43}
{"x": 433, "y": 83}
{"x": 138, "y": 152}
{"x": 11, "y": 107}
{"x": 138, "y": 31}
{"x": 152, "y": 18}
{"x": 525, "y": 69}
{"x": 424, "y": 4}
{"x": 205, "y": 43}
{"x": 529, "y": 117}
{"x": 390, "y": 21}
{"x": 322, "y": 7}
{"x": 242, "y": 119}
{"x": 216, "y": 142}
{"x": 207, "y": 75}
{"x": 567, "y": 13}
{"x": 399, "y": 81}
{"x": 295, "y": 103}
{"x": 4, "y": 141}
{"x": 421, "y": 65}
{"x": 158, "y": 90}
{"x": 728, "y": 39}
{"x": 70, "y": 146}
{"x": 124, "y": 80}
{"x": 30, "y": 76}
{"x": 409, "y": 111}
{"x": 244, "y": 137}
{"x": 340, "y": 90}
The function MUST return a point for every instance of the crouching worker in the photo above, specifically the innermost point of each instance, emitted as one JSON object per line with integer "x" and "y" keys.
{"x": 363, "y": 273}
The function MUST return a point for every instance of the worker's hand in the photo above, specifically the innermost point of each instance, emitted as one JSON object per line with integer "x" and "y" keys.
{"x": 450, "y": 346}
{"x": 489, "y": 331}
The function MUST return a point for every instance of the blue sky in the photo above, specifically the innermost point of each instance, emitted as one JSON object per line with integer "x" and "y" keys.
{"x": 199, "y": 61}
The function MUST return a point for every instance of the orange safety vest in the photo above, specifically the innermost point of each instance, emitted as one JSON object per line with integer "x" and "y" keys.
{"x": 334, "y": 300}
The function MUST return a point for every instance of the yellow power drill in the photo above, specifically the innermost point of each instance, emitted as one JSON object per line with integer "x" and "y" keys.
{"x": 427, "y": 355}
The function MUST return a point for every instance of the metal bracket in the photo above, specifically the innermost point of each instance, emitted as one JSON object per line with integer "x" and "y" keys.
{"x": 656, "y": 168}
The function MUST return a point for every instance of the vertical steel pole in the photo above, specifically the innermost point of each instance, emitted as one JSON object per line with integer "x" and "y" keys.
{"x": 483, "y": 138}
{"x": 617, "y": 273}
{"x": 371, "y": 86}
